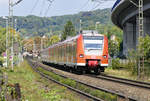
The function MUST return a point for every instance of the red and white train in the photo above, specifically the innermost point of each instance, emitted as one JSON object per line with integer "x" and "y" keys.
{"x": 84, "y": 52}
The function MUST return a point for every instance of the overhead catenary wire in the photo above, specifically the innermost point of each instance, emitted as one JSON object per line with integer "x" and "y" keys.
{"x": 17, "y": 2}
{"x": 50, "y": 3}
{"x": 95, "y": 6}
{"x": 42, "y": 7}
{"x": 37, "y": 1}
{"x": 86, "y": 3}
{"x": 99, "y": 3}
{"x": 47, "y": 10}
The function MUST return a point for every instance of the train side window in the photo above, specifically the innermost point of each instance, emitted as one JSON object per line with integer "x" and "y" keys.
{"x": 57, "y": 53}
{"x": 69, "y": 51}
{"x": 63, "y": 52}
{"x": 60, "y": 53}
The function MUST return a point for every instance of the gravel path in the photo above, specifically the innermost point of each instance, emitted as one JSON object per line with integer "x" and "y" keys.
{"x": 138, "y": 93}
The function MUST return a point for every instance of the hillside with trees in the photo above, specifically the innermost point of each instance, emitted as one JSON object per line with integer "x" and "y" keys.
{"x": 33, "y": 25}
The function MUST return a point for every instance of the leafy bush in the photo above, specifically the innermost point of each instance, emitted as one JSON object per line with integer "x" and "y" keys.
{"x": 1, "y": 61}
{"x": 132, "y": 61}
{"x": 50, "y": 95}
{"x": 145, "y": 46}
{"x": 115, "y": 63}
{"x": 113, "y": 48}
{"x": 132, "y": 66}
{"x": 148, "y": 60}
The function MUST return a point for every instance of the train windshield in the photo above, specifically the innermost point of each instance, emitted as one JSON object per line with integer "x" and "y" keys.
{"x": 93, "y": 42}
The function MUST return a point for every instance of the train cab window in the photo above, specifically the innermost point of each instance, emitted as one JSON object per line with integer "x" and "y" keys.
{"x": 93, "y": 42}
{"x": 93, "y": 37}
{"x": 93, "y": 46}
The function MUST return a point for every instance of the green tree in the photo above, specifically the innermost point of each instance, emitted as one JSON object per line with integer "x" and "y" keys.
{"x": 91, "y": 27}
{"x": 145, "y": 46}
{"x": 54, "y": 39}
{"x": 69, "y": 30}
{"x": 113, "y": 30}
{"x": 2, "y": 40}
{"x": 113, "y": 48}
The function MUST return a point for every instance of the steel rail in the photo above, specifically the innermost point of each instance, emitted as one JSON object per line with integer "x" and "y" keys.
{"x": 135, "y": 83}
{"x": 69, "y": 87}
{"x": 91, "y": 86}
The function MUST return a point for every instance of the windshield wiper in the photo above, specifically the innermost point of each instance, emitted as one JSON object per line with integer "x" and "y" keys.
{"x": 92, "y": 49}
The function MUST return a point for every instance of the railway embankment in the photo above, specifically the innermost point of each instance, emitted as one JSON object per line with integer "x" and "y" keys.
{"x": 131, "y": 91}
{"x": 35, "y": 88}
{"x": 128, "y": 69}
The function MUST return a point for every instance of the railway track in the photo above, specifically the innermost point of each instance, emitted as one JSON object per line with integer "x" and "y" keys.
{"x": 134, "y": 83}
{"x": 69, "y": 87}
{"x": 119, "y": 95}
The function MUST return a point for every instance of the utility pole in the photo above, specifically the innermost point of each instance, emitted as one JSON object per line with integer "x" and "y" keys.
{"x": 17, "y": 42}
{"x": 11, "y": 26}
{"x": 6, "y": 43}
{"x": 9, "y": 32}
{"x": 80, "y": 26}
{"x": 6, "y": 20}
{"x": 51, "y": 32}
{"x": 41, "y": 43}
{"x": 12, "y": 56}
{"x": 141, "y": 33}
{"x": 15, "y": 30}
{"x": 34, "y": 47}
{"x": 96, "y": 25}
{"x": 9, "y": 19}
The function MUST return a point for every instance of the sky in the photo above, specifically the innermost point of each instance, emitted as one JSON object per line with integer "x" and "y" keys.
{"x": 57, "y": 8}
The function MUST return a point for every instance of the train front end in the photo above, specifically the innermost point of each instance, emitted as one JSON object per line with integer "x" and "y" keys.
{"x": 93, "y": 52}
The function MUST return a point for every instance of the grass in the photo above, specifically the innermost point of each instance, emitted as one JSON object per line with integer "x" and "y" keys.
{"x": 124, "y": 73}
{"x": 97, "y": 93}
{"x": 129, "y": 70}
{"x": 36, "y": 88}
{"x": 147, "y": 69}
{"x": 74, "y": 84}
{"x": 127, "y": 73}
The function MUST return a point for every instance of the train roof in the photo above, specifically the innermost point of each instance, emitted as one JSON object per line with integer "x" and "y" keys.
{"x": 91, "y": 33}
{"x": 65, "y": 41}
{"x": 84, "y": 33}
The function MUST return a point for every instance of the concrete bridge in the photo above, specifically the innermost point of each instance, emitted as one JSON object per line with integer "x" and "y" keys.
{"x": 125, "y": 16}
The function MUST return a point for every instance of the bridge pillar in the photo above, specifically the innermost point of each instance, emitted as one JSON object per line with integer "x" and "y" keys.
{"x": 124, "y": 40}
{"x": 131, "y": 34}
{"x": 146, "y": 23}
{"x": 129, "y": 39}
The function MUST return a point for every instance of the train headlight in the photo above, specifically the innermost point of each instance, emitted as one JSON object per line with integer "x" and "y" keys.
{"x": 81, "y": 56}
{"x": 105, "y": 56}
